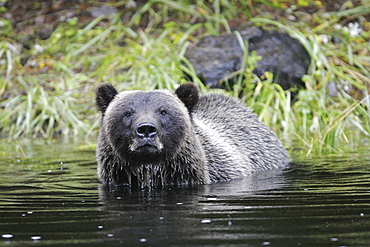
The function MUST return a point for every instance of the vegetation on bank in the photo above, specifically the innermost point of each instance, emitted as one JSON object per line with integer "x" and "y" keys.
{"x": 47, "y": 91}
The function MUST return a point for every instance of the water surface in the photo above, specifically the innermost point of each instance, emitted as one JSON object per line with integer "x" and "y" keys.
{"x": 50, "y": 196}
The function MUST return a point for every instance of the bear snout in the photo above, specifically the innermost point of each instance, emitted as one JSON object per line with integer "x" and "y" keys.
{"x": 146, "y": 142}
{"x": 146, "y": 131}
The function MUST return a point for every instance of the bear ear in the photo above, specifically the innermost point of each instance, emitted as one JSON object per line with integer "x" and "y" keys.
{"x": 188, "y": 93}
{"x": 104, "y": 95}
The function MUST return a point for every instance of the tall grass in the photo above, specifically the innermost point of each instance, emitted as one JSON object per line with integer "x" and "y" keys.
{"x": 40, "y": 114}
{"x": 326, "y": 123}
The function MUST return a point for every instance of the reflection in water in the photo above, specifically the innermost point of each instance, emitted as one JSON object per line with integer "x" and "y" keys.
{"x": 53, "y": 198}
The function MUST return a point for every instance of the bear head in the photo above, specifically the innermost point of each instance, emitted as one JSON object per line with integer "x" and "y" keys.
{"x": 146, "y": 127}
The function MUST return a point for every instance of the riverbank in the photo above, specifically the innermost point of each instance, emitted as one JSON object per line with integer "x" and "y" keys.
{"x": 52, "y": 57}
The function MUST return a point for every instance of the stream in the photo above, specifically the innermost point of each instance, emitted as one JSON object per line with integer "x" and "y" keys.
{"x": 50, "y": 196}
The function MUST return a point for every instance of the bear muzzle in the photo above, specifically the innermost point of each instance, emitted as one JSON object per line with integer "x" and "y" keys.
{"x": 146, "y": 140}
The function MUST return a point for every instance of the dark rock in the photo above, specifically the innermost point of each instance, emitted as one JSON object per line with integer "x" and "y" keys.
{"x": 217, "y": 57}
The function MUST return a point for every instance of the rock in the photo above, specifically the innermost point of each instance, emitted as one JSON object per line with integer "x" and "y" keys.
{"x": 217, "y": 57}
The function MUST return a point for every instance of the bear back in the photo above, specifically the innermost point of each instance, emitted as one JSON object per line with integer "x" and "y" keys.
{"x": 235, "y": 142}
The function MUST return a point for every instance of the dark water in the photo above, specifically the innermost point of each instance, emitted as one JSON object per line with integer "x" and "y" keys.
{"x": 50, "y": 196}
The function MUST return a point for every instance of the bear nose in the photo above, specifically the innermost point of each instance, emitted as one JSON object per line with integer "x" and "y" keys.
{"x": 146, "y": 130}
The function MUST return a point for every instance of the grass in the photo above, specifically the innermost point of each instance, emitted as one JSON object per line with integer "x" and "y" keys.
{"x": 48, "y": 92}
{"x": 39, "y": 113}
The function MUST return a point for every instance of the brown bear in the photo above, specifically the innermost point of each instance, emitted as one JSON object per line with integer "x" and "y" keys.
{"x": 160, "y": 138}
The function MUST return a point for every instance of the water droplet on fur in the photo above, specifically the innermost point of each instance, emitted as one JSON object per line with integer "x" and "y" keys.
{"x": 334, "y": 239}
{"x": 212, "y": 199}
{"x": 266, "y": 243}
{"x": 142, "y": 240}
{"x": 109, "y": 235}
{"x": 205, "y": 221}
{"x": 229, "y": 223}
{"x": 36, "y": 237}
{"x": 100, "y": 227}
{"x": 7, "y": 235}
{"x": 362, "y": 214}
{"x": 179, "y": 203}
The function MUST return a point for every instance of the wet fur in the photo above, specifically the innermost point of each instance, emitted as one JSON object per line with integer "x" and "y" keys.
{"x": 201, "y": 139}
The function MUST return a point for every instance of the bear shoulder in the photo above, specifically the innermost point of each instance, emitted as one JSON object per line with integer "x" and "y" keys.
{"x": 215, "y": 105}
{"x": 235, "y": 141}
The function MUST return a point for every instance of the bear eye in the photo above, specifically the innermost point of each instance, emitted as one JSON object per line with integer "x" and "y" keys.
{"x": 127, "y": 114}
{"x": 163, "y": 112}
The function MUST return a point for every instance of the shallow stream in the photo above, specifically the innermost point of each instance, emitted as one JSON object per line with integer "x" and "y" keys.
{"x": 50, "y": 196}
